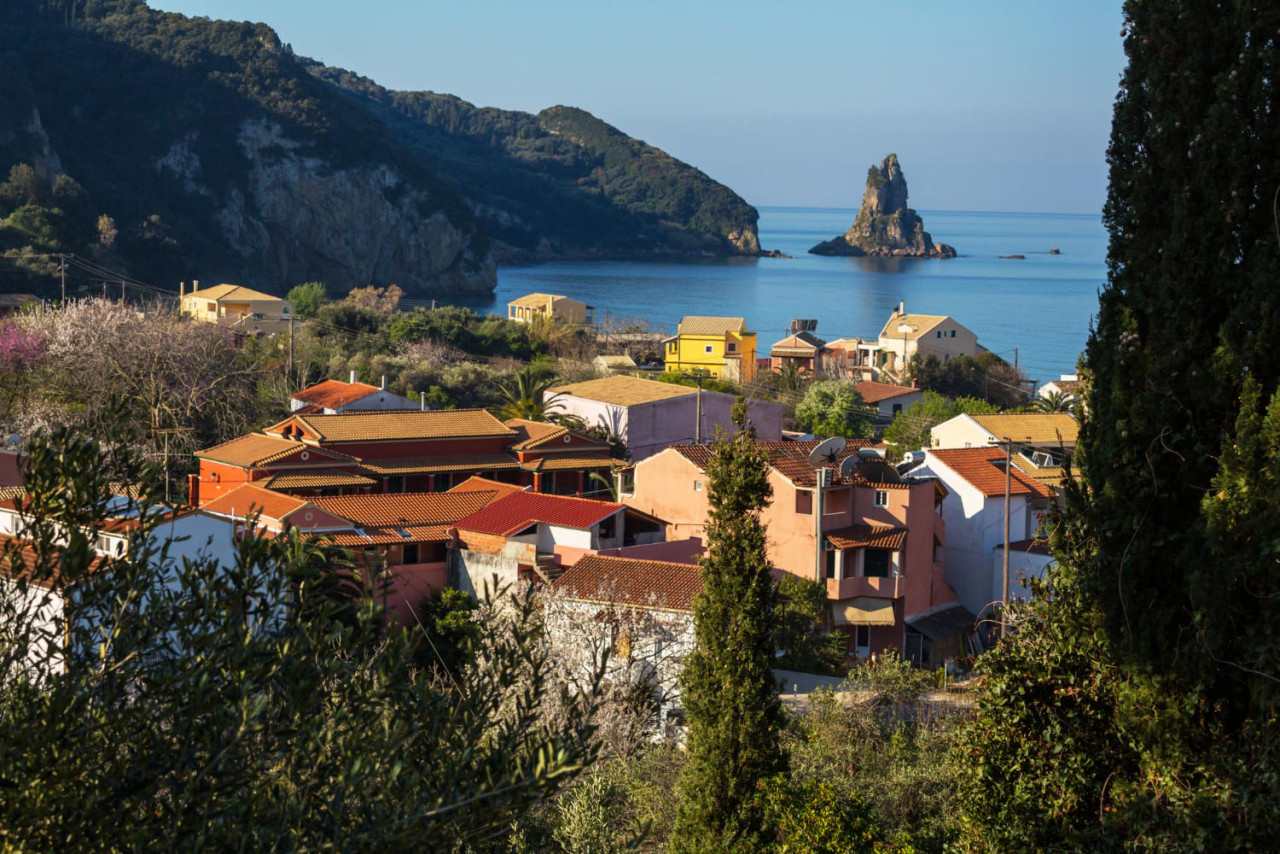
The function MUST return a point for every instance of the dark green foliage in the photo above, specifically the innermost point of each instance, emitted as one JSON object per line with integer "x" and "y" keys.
{"x": 477, "y": 334}
{"x": 708, "y": 383}
{"x": 449, "y": 630}
{"x": 735, "y": 718}
{"x": 911, "y": 427}
{"x": 835, "y": 408}
{"x": 562, "y": 182}
{"x": 1165, "y": 708}
{"x": 801, "y": 607}
{"x": 985, "y": 376}
{"x": 252, "y": 707}
{"x": 307, "y": 299}
{"x": 816, "y": 817}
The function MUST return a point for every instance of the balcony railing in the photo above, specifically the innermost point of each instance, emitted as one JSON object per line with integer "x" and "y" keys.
{"x": 880, "y": 588}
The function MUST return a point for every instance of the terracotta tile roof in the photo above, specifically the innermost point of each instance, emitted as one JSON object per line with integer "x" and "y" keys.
{"x": 644, "y": 583}
{"x": 254, "y": 449}
{"x": 331, "y": 394}
{"x": 537, "y": 300}
{"x": 873, "y": 392}
{"x": 1039, "y": 428}
{"x": 322, "y": 479}
{"x": 701, "y": 325}
{"x": 624, "y": 391}
{"x": 18, "y": 560}
{"x": 535, "y": 434}
{"x": 983, "y": 468}
{"x": 398, "y": 425}
{"x": 1032, "y": 546}
{"x": 565, "y": 463}
{"x": 250, "y": 498}
{"x": 390, "y": 536}
{"x": 475, "y": 483}
{"x": 789, "y": 458}
{"x": 405, "y": 508}
{"x": 868, "y": 537}
{"x": 805, "y": 343}
{"x": 231, "y": 292}
{"x": 1071, "y": 387}
{"x": 507, "y": 516}
{"x": 917, "y": 325}
{"x": 441, "y": 463}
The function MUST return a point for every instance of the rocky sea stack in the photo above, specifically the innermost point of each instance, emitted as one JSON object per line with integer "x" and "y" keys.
{"x": 885, "y": 226}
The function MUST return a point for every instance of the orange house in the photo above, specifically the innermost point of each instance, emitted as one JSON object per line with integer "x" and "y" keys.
{"x": 877, "y": 548}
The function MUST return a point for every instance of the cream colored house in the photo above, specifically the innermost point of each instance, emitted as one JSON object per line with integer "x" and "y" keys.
{"x": 906, "y": 337}
{"x": 531, "y": 306}
{"x": 237, "y": 308}
{"x": 1035, "y": 430}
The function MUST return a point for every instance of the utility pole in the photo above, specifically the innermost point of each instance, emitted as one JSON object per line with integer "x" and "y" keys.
{"x": 820, "y": 570}
{"x": 63, "y": 260}
{"x": 122, "y": 291}
{"x": 698, "y": 375}
{"x": 1004, "y": 575}
{"x": 288, "y": 377}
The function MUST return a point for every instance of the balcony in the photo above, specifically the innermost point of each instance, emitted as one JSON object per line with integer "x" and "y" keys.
{"x": 880, "y": 588}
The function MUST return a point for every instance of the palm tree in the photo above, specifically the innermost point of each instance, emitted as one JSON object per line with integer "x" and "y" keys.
{"x": 1055, "y": 401}
{"x": 526, "y": 397}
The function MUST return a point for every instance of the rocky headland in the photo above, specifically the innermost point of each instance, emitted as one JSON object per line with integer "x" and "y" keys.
{"x": 885, "y": 226}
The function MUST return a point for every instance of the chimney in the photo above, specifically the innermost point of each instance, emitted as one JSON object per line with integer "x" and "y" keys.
{"x": 182, "y": 290}
{"x": 353, "y": 377}
{"x": 423, "y": 401}
{"x": 384, "y": 382}
{"x": 902, "y": 307}
{"x": 195, "y": 285}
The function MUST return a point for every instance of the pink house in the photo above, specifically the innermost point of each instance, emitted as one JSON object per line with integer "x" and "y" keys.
{"x": 878, "y": 546}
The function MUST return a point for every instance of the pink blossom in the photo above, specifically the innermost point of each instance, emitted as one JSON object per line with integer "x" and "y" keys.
{"x": 20, "y": 349}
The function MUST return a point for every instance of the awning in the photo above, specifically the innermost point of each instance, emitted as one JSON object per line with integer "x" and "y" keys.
{"x": 944, "y": 621}
{"x": 868, "y": 537}
{"x": 863, "y": 611}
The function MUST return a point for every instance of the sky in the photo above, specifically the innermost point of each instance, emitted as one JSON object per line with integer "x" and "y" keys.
{"x": 996, "y": 105}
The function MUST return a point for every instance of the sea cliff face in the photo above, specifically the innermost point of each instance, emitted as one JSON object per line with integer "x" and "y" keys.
{"x": 885, "y": 226}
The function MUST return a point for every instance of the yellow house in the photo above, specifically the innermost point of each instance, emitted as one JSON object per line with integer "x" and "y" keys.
{"x": 238, "y": 308}
{"x": 530, "y": 306}
{"x": 719, "y": 345}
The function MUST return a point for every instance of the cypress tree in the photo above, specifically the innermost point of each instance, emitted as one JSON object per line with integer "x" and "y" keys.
{"x": 735, "y": 717}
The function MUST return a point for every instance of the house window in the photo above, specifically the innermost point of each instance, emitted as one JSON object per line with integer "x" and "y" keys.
{"x": 733, "y": 348}
{"x": 671, "y": 348}
{"x": 897, "y": 407}
{"x": 411, "y": 553}
{"x": 862, "y": 637}
{"x": 697, "y": 486}
{"x": 875, "y": 563}
{"x": 938, "y": 334}
{"x": 804, "y": 503}
{"x": 708, "y": 349}
{"x": 953, "y": 333}
{"x": 882, "y": 498}
{"x": 831, "y": 563}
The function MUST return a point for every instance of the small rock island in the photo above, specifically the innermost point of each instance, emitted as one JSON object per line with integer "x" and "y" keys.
{"x": 885, "y": 226}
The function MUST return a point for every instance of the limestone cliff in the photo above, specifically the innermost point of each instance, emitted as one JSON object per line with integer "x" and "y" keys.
{"x": 885, "y": 226}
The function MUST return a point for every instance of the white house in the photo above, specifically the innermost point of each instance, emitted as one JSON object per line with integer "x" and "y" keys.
{"x": 906, "y": 337}
{"x": 973, "y": 512}
{"x": 1050, "y": 432}
{"x": 334, "y": 396}
{"x": 638, "y": 611}
{"x": 1028, "y": 559}
{"x": 888, "y": 399}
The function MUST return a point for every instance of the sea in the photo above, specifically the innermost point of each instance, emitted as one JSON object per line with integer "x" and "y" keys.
{"x": 1036, "y": 310}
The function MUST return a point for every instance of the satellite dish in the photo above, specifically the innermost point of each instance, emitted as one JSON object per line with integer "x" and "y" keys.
{"x": 826, "y": 452}
{"x": 849, "y": 467}
{"x": 877, "y": 470}
{"x": 871, "y": 453}
{"x": 14, "y": 440}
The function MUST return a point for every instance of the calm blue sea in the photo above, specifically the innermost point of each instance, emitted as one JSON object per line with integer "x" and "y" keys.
{"x": 1041, "y": 306}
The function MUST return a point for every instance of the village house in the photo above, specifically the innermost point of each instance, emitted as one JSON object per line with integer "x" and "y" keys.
{"x": 408, "y": 534}
{"x": 720, "y": 346}
{"x": 639, "y": 612}
{"x": 531, "y": 307}
{"x": 974, "y": 514}
{"x": 332, "y": 397}
{"x": 888, "y": 399}
{"x": 907, "y": 337}
{"x": 1051, "y": 433}
{"x": 237, "y": 308}
{"x": 648, "y": 415}
{"x": 606, "y": 365}
{"x": 403, "y": 451}
{"x": 530, "y": 537}
{"x": 852, "y": 358}
{"x": 877, "y": 547}
{"x": 1067, "y": 385}
{"x": 802, "y": 349}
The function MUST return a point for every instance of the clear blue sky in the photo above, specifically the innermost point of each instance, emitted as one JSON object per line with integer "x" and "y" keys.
{"x": 993, "y": 105}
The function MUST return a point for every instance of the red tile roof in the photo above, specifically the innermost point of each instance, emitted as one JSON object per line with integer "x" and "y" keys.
{"x": 332, "y": 394}
{"x": 507, "y": 516}
{"x": 651, "y": 583}
{"x": 395, "y": 425}
{"x": 873, "y": 392}
{"x": 257, "y": 449}
{"x": 247, "y": 499}
{"x": 475, "y": 483}
{"x": 18, "y": 560}
{"x": 983, "y": 468}
{"x": 868, "y": 537}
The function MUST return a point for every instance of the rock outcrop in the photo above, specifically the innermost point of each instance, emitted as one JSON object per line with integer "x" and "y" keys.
{"x": 885, "y": 226}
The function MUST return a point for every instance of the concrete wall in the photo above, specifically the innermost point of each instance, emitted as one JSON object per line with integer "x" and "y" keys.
{"x": 959, "y": 432}
{"x": 1023, "y": 566}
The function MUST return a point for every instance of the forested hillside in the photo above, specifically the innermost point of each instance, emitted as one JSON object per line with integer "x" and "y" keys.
{"x": 176, "y": 148}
